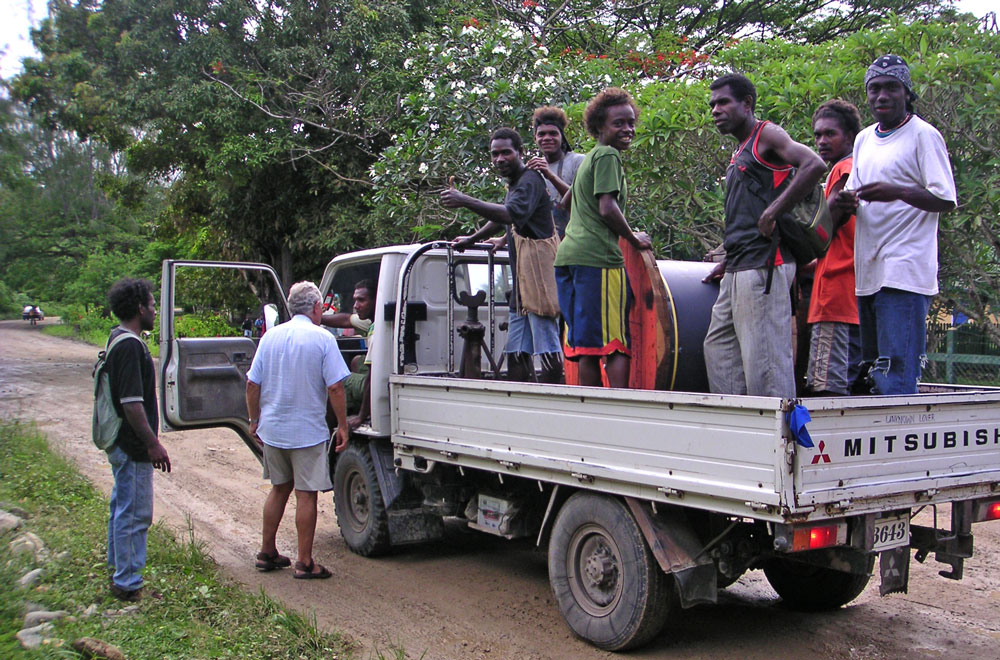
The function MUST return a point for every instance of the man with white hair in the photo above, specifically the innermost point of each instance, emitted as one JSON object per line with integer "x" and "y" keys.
{"x": 296, "y": 369}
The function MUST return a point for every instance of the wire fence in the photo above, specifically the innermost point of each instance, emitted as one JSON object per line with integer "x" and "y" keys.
{"x": 965, "y": 355}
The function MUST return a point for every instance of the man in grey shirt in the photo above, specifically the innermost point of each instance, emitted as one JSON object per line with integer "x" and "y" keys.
{"x": 558, "y": 163}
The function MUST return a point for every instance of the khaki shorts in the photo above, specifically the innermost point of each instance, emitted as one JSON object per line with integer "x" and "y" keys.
{"x": 308, "y": 466}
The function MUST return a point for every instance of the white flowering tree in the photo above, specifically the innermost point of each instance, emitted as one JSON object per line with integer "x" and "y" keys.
{"x": 468, "y": 81}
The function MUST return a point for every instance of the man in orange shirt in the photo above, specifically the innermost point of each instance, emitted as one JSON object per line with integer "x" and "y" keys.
{"x": 835, "y": 342}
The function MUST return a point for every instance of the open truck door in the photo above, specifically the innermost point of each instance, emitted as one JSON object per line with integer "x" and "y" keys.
{"x": 204, "y": 353}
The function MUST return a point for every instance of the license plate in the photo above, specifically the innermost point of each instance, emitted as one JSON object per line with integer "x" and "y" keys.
{"x": 891, "y": 532}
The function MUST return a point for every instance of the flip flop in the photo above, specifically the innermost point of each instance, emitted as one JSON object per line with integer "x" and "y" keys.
{"x": 303, "y": 572}
{"x": 266, "y": 562}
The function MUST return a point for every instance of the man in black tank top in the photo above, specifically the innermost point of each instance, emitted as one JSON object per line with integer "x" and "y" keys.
{"x": 748, "y": 347}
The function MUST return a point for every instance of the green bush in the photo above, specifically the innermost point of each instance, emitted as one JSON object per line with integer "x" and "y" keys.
{"x": 204, "y": 325}
{"x": 8, "y": 304}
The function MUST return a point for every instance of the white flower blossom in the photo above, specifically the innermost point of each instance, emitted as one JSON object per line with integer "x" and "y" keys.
{"x": 543, "y": 50}
{"x": 506, "y": 108}
{"x": 550, "y": 80}
{"x": 452, "y": 67}
{"x": 434, "y": 127}
{"x": 489, "y": 71}
{"x": 408, "y": 62}
{"x": 423, "y": 168}
{"x": 500, "y": 50}
{"x": 607, "y": 79}
{"x": 482, "y": 120}
{"x": 427, "y": 84}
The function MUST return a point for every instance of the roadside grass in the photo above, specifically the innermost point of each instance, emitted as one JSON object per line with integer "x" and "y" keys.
{"x": 97, "y": 337}
{"x": 202, "y": 614}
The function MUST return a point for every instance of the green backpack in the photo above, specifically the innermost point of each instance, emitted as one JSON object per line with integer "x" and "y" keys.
{"x": 106, "y": 422}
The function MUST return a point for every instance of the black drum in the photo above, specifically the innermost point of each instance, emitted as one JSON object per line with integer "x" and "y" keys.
{"x": 689, "y": 305}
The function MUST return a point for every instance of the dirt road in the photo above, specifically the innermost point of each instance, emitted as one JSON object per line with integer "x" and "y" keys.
{"x": 472, "y": 595}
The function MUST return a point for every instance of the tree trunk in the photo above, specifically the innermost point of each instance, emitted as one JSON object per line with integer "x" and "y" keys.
{"x": 285, "y": 271}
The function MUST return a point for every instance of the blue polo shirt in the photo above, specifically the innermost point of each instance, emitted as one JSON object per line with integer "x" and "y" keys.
{"x": 294, "y": 365}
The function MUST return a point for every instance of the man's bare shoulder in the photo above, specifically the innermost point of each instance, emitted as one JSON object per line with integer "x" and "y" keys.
{"x": 773, "y": 136}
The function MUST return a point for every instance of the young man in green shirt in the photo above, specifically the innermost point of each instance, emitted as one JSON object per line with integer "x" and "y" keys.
{"x": 594, "y": 293}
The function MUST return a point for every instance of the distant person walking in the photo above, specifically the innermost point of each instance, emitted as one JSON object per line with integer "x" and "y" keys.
{"x": 136, "y": 451}
{"x": 297, "y": 368}
{"x": 900, "y": 183}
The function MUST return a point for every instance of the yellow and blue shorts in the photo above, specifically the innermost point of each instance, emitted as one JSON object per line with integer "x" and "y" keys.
{"x": 595, "y": 303}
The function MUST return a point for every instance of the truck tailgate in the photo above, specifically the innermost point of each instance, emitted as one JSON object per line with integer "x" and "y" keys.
{"x": 873, "y": 453}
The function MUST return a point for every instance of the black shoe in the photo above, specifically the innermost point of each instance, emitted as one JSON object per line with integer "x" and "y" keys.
{"x": 129, "y": 596}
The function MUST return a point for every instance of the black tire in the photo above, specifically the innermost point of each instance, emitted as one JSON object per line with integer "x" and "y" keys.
{"x": 810, "y": 588}
{"x": 609, "y": 587}
{"x": 358, "y": 502}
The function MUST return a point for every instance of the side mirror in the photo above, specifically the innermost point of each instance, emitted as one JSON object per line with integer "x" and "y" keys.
{"x": 270, "y": 316}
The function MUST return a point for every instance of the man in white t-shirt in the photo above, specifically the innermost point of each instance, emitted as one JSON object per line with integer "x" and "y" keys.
{"x": 297, "y": 368}
{"x": 900, "y": 182}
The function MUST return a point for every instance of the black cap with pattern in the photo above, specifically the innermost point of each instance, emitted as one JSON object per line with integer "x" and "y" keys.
{"x": 891, "y": 65}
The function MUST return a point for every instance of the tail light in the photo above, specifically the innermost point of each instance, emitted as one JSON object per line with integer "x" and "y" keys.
{"x": 986, "y": 510}
{"x": 822, "y": 536}
{"x": 810, "y": 537}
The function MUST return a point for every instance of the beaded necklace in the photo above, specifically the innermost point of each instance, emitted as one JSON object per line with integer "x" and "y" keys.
{"x": 885, "y": 134}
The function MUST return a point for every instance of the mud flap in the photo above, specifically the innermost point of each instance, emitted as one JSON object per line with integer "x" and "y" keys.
{"x": 678, "y": 552}
{"x": 894, "y": 567}
{"x": 414, "y": 526}
{"x": 390, "y": 483}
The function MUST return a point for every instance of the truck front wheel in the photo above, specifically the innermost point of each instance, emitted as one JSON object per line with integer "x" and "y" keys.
{"x": 608, "y": 585}
{"x": 810, "y": 588}
{"x": 357, "y": 500}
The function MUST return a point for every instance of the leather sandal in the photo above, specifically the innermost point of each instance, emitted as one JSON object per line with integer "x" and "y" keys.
{"x": 266, "y": 562}
{"x": 303, "y": 572}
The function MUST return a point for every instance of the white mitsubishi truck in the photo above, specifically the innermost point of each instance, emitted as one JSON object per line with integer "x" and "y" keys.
{"x": 648, "y": 501}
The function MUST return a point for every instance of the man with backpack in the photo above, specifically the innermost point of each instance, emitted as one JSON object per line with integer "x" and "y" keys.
{"x": 136, "y": 450}
{"x": 748, "y": 347}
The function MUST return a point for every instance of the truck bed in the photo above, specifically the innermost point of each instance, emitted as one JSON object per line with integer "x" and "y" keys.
{"x": 729, "y": 454}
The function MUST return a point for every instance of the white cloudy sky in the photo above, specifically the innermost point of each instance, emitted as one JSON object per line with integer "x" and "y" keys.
{"x": 15, "y": 43}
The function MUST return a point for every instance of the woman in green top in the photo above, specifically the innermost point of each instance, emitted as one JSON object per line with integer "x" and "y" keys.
{"x": 594, "y": 294}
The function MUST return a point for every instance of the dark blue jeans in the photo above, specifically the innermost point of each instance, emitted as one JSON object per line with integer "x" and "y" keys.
{"x": 894, "y": 338}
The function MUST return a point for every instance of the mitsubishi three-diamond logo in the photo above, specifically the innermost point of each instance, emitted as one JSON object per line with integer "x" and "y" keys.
{"x": 822, "y": 455}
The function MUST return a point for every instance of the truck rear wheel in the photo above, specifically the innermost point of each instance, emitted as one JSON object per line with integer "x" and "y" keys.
{"x": 810, "y": 588}
{"x": 609, "y": 587}
{"x": 357, "y": 500}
